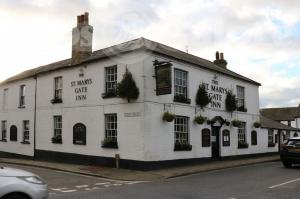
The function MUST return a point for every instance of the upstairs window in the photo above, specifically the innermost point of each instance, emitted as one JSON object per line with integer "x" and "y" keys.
{"x": 25, "y": 131}
{"x": 240, "y": 97}
{"x": 111, "y": 74}
{"x": 3, "y": 130}
{"x": 180, "y": 85}
{"x": 58, "y": 84}
{"x": 22, "y": 96}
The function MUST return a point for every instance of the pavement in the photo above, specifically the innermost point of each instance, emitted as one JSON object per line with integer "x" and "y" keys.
{"x": 133, "y": 175}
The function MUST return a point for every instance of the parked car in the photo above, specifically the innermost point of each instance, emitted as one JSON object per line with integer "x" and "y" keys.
{"x": 20, "y": 184}
{"x": 290, "y": 152}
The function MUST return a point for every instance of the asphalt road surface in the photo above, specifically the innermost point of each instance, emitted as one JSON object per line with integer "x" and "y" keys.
{"x": 260, "y": 181}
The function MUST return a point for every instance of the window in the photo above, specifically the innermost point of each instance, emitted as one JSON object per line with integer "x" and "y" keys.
{"x": 253, "y": 138}
{"x": 242, "y": 133}
{"x": 57, "y": 121}
{"x": 3, "y": 130}
{"x": 79, "y": 134}
{"x": 111, "y": 81}
{"x": 163, "y": 78}
{"x": 58, "y": 88}
{"x": 13, "y": 133}
{"x": 181, "y": 130}
{"x": 26, "y": 131}
{"x": 270, "y": 136}
{"x": 111, "y": 127}
{"x": 180, "y": 82}
{"x": 240, "y": 97}
{"x": 22, "y": 96}
{"x": 295, "y": 135}
{"x": 5, "y": 91}
{"x": 205, "y": 138}
{"x": 226, "y": 137}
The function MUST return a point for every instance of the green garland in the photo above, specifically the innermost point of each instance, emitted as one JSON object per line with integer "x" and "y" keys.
{"x": 202, "y": 98}
{"x": 230, "y": 102}
{"x": 127, "y": 87}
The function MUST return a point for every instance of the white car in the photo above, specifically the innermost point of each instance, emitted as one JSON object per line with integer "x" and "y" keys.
{"x": 19, "y": 184}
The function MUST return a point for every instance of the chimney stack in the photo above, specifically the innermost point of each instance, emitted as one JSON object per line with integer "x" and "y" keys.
{"x": 220, "y": 61}
{"x": 82, "y": 36}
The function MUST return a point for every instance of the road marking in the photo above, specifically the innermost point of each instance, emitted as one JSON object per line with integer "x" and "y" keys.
{"x": 102, "y": 183}
{"x": 82, "y": 186}
{"x": 68, "y": 191}
{"x": 288, "y": 182}
{"x": 57, "y": 189}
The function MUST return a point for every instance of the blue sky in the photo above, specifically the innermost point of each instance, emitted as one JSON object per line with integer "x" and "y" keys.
{"x": 260, "y": 39}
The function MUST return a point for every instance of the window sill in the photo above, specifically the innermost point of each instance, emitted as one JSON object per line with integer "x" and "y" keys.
{"x": 25, "y": 142}
{"x": 108, "y": 95}
{"x": 182, "y": 100}
{"x": 56, "y": 101}
{"x": 110, "y": 147}
{"x": 57, "y": 142}
{"x": 13, "y": 140}
{"x": 79, "y": 143}
{"x": 3, "y": 140}
{"x": 21, "y": 107}
{"x": 182, "y": 147}
{"x": 241, "y": 109}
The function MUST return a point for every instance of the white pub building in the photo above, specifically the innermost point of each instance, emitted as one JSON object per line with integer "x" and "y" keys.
{"x": 69, "y": 110}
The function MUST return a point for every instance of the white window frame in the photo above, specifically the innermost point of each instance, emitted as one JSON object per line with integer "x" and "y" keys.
{"x": 242, "y": 133}
{"x": 240, "y": 96}
{"x": 22, "y": 95}
{"x": 58, "y": 87}
{"x": 26, "y": 131}
{"x": 3, "y": 129}
{"x": 111, "y": 78}
{"x": 181, "y": 130}
{"x": 180, "y": 83}
{"x": 111, "y": 127}
{"x": 57, "y": 126}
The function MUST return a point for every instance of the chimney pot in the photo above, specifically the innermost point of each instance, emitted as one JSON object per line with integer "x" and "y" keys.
{"x": 78, "y": 20}
{"x": 86, "y": 18}
{"x": 217, "y": 55}
{"x": 222, "y": 56}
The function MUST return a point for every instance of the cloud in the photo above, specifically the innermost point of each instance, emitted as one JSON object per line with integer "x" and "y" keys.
{"x": 260, "y": 39}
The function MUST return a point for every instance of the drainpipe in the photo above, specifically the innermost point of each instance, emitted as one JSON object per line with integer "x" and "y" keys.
{"x": 34, "y": 118}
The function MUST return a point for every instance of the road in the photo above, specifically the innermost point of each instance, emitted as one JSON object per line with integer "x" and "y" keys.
{"x": 260, "y": 181}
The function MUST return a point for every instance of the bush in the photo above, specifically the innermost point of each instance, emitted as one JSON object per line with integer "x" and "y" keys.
{"x": 200, "y": 119}
{"x": 230, "y": 102}
{"x": 182, "y": 147}
{"x": 127, "y": 88}
{"x": 257, "y": 124}
{"x": 169, "y": 117}
{"x": 243, "y": 145}
{"x": 109, "y": 143}
{"x": 236, "y": 123}
{"x": 202, "y": 98}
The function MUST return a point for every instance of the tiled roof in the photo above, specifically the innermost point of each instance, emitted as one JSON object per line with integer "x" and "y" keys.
{"x": 271, "y": 124}
{"x": 133, "y": 45}
{"x": 281, "y": 114}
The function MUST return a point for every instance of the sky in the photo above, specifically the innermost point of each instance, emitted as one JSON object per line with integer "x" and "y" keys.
{"x": 260, "y": 38}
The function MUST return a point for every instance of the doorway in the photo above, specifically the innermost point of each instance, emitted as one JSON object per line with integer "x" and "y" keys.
{"x": 215, "y": 142}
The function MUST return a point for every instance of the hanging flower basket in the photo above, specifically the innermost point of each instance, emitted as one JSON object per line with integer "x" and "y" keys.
{"x": 227, "y": 123}
{"x": 236, "y": 123}
{"x": 243, "y": 145}
{"x": 168, "y": 117}
{"x": 257, "y": 124}
{"x": 200, "y": 119}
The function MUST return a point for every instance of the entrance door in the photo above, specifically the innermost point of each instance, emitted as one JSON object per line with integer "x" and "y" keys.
{"x": 215, "y": 142}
